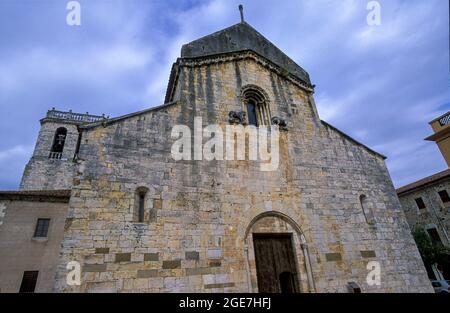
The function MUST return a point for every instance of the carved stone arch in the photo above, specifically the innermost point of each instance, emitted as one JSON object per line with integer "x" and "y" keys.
{"x": 254, "y": 94}
{"x": 252, "y": 87}
{"x": 59, "y": 141}
{"x": 141, "y": 201}
{"x": 277, "y": 223}
{"x": 280, "y": 215}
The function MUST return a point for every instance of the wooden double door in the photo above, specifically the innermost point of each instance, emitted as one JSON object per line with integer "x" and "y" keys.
{"x": 276, "y": 266}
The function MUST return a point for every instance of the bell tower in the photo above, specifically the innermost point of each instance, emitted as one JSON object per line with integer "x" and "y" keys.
{"x": 52, "y": 162}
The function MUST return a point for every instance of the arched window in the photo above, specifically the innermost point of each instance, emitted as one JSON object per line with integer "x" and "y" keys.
{"x": 251, "y": 113}
{"x": 257, "y": 108}
{"x": 367, "y": 209}
{"x": 140, "y": 204}
{"x": 58, "y": 143}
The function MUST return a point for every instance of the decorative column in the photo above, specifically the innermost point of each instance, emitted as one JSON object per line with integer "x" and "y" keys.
{"x": 249, "y": 279}
{"x": 311, "y": 287}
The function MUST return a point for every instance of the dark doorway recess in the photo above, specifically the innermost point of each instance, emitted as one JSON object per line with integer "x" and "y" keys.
{"x": 276, "y": 268}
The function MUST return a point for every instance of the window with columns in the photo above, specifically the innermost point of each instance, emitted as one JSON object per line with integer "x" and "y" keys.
{"x": 256, "y": 105}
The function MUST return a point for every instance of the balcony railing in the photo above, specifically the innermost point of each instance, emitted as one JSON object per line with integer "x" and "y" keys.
{"x": 55, "y": 155}
{"x": 444, "y": 120}
{"x": 76, "y": 117}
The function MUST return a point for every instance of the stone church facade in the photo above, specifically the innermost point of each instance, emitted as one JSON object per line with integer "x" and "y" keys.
{"x": 139, "y": 221}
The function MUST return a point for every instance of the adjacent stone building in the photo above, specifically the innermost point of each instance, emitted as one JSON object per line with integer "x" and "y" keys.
{"x": 426, "y": 202}
{"x": 140, "y": 221}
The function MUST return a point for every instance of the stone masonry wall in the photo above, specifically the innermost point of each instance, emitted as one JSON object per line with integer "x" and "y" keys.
{"x": 435, "y": 214}
{"x": 199, "y": 211}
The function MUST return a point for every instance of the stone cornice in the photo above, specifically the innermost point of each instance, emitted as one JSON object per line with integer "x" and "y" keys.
{"x": 61, "y": 196}
{"x": 245, "y": 55}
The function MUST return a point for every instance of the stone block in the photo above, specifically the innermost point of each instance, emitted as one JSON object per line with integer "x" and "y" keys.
{"x": 199, "y": 271}
{"x": 171, "y": 264}
{"x": 333, "y": 257}
{"x": 219, "y": 285}
{"x": 151, "y": 256}
{"x": 192, "y": 255}
{"x": 147, "y": 273}
{"x": 94, "y": 268}
{"x": 101, "y": 250}
{"x": 368, "y": 254}
{"x": 123, "y": 257}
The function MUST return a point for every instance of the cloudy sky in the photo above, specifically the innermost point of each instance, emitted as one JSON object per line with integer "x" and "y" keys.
{"x": 381, "y": 85}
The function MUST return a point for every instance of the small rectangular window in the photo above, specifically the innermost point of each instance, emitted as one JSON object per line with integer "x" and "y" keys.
{"x": 434, "y": 235}
{"x": 29, "y": 280}
{"x": 141, "y": 208}
{"x": 444, "y": 196}
{"x": 420, "y": 203}
{"x": 42, "y": 228}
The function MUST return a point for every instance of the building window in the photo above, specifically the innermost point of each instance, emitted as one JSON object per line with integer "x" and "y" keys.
{"x": 41, "y": 228}
{"x": 58, "y": 143}
{"x": 251, "y": 113}
{"x": 258, "y": 112}
{"x": 140, "y": 203}
{"x": 29, "y": 280}
{"x": 420, "y": 204}
{"x": 444, "y": 196}
{"x": 434, "y": 235}
{"x": 367, "y": 209}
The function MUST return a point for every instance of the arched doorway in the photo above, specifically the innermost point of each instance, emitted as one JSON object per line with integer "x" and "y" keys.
{"x": 277, "y": 255}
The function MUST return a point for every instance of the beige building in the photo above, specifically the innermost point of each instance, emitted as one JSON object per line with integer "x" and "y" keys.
{"x": 31, "y": 231}
{"x": 139, "y": 220}
{"x": 441, "y": 128}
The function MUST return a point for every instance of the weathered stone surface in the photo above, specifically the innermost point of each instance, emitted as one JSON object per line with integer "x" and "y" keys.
{"x": 368, "y": 254}
{"x": 192, "y": 255}
{"x": 94, "y": 268}
{"x": 436, "y": 213}
{"x": 215, "y": 207}
{"x": 147, "y": 273}
{"x": 171, "y": 264}
{"x": 224, "y": 285}
{"x": 199, "y": 271}
{"x": 123, "y": 257}
{"x": 333, "y": 257}
{"x": 151, "y": 257}
{"x": 102, "y": 250}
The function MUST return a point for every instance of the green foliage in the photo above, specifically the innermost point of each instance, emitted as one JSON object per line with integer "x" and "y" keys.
{"x": 431, "y": 253}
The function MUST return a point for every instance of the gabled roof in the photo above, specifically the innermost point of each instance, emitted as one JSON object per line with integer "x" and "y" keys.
{"x": 240, "y": 37}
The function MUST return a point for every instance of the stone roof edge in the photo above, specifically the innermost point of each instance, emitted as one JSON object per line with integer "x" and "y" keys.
{"x": 215, "y": 33}
{"x": 110, "y": 121}
{"x": 429, "y": 180}
{"x": 354, "y": 140}
{"x": 306, "y": 85}
{"x": 61, "y": 196}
